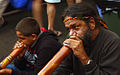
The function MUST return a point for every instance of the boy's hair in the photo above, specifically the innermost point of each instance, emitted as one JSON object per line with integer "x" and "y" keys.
{"x": 28, "y": 26}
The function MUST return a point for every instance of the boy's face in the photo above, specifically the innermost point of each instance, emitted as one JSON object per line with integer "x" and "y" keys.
{"x": 27, "y": 40}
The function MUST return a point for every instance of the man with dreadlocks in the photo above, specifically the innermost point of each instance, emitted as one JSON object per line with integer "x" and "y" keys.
{"x": 95, "y": 49}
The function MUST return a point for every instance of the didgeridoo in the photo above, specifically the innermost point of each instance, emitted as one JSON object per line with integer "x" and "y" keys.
{"x": 16, "y": 50}
{"x": 55, "y": 61}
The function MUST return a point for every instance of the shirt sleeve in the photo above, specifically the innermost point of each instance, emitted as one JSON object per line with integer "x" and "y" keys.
{"x": 109, "y": 61}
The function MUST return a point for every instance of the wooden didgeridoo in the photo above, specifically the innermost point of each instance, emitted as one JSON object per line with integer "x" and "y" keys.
{"x": 11, "y": 56}
{"x": 55, "y": 61}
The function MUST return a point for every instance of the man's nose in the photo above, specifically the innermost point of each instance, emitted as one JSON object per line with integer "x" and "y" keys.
{"x": 72, "y": 32}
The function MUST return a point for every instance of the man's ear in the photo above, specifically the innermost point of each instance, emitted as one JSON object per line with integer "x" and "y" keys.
{"x": 92, "y": 23}
{"x": 34, "y": 36}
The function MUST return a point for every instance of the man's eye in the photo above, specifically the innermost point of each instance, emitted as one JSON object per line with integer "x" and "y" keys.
{"x": 76, "y": 27}
{"x": 22, "y": 38}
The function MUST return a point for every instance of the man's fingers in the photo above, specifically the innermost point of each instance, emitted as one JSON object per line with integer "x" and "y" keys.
{"x": 74, "y": 37}
{"x": 71, "y": 43}
{"x": 66, "y": 42}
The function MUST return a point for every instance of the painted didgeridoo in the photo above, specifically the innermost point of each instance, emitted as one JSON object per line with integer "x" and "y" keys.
{"x": 55, "y": 61}
{"x": 16, "y": 50}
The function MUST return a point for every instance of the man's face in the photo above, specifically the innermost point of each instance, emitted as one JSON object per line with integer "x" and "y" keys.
{"x": 80, "y": 29}
{"x": 27, "y": 40}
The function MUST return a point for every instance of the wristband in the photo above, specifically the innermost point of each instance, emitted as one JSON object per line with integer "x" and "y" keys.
{"x": 89, "y": 61}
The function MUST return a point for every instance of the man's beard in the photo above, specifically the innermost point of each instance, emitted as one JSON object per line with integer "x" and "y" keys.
{"x": 87, "y": 38}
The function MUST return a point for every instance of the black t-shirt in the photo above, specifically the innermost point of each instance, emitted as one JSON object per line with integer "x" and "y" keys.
{"x": 37, "y": 56}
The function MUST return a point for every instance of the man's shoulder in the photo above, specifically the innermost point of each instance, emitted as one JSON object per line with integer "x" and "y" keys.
{"x": 107, "y": 37}
{"x": 110, "y": 38}
{"x": 108, "y": 34}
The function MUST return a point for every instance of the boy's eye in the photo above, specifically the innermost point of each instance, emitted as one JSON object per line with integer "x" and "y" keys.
{"x": 67, "y": 29}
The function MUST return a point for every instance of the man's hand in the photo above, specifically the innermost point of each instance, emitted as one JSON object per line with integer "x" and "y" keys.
{"x": 78, "y": 49}
{"x": 5, "y": 71}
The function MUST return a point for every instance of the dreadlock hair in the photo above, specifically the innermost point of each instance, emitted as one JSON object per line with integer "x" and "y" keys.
{"x": 85, "y": 8}
{"x": 28, "y": 26}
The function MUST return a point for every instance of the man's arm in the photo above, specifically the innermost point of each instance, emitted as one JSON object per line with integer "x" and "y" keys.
{"x": 109, "y": 60}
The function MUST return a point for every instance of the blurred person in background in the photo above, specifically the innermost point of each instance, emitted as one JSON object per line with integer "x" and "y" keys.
{"x": 3, "y": 6}
{"x": 37, "y": 10}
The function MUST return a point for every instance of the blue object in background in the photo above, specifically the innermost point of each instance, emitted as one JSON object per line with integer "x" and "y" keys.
{"x": 18, "y": 3}
{"x": 29, "y": 6}
{"x": 22, "y": 4}
{"x": 99, "y": 11}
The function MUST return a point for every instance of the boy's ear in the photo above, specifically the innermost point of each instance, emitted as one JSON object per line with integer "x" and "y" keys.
{"x": 92, "y": 23}
{"x": 34, "y": 36}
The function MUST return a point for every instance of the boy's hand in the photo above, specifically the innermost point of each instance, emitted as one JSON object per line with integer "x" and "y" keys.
{"x": 5, "y": 71}
{"x": 19, "y": 45}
